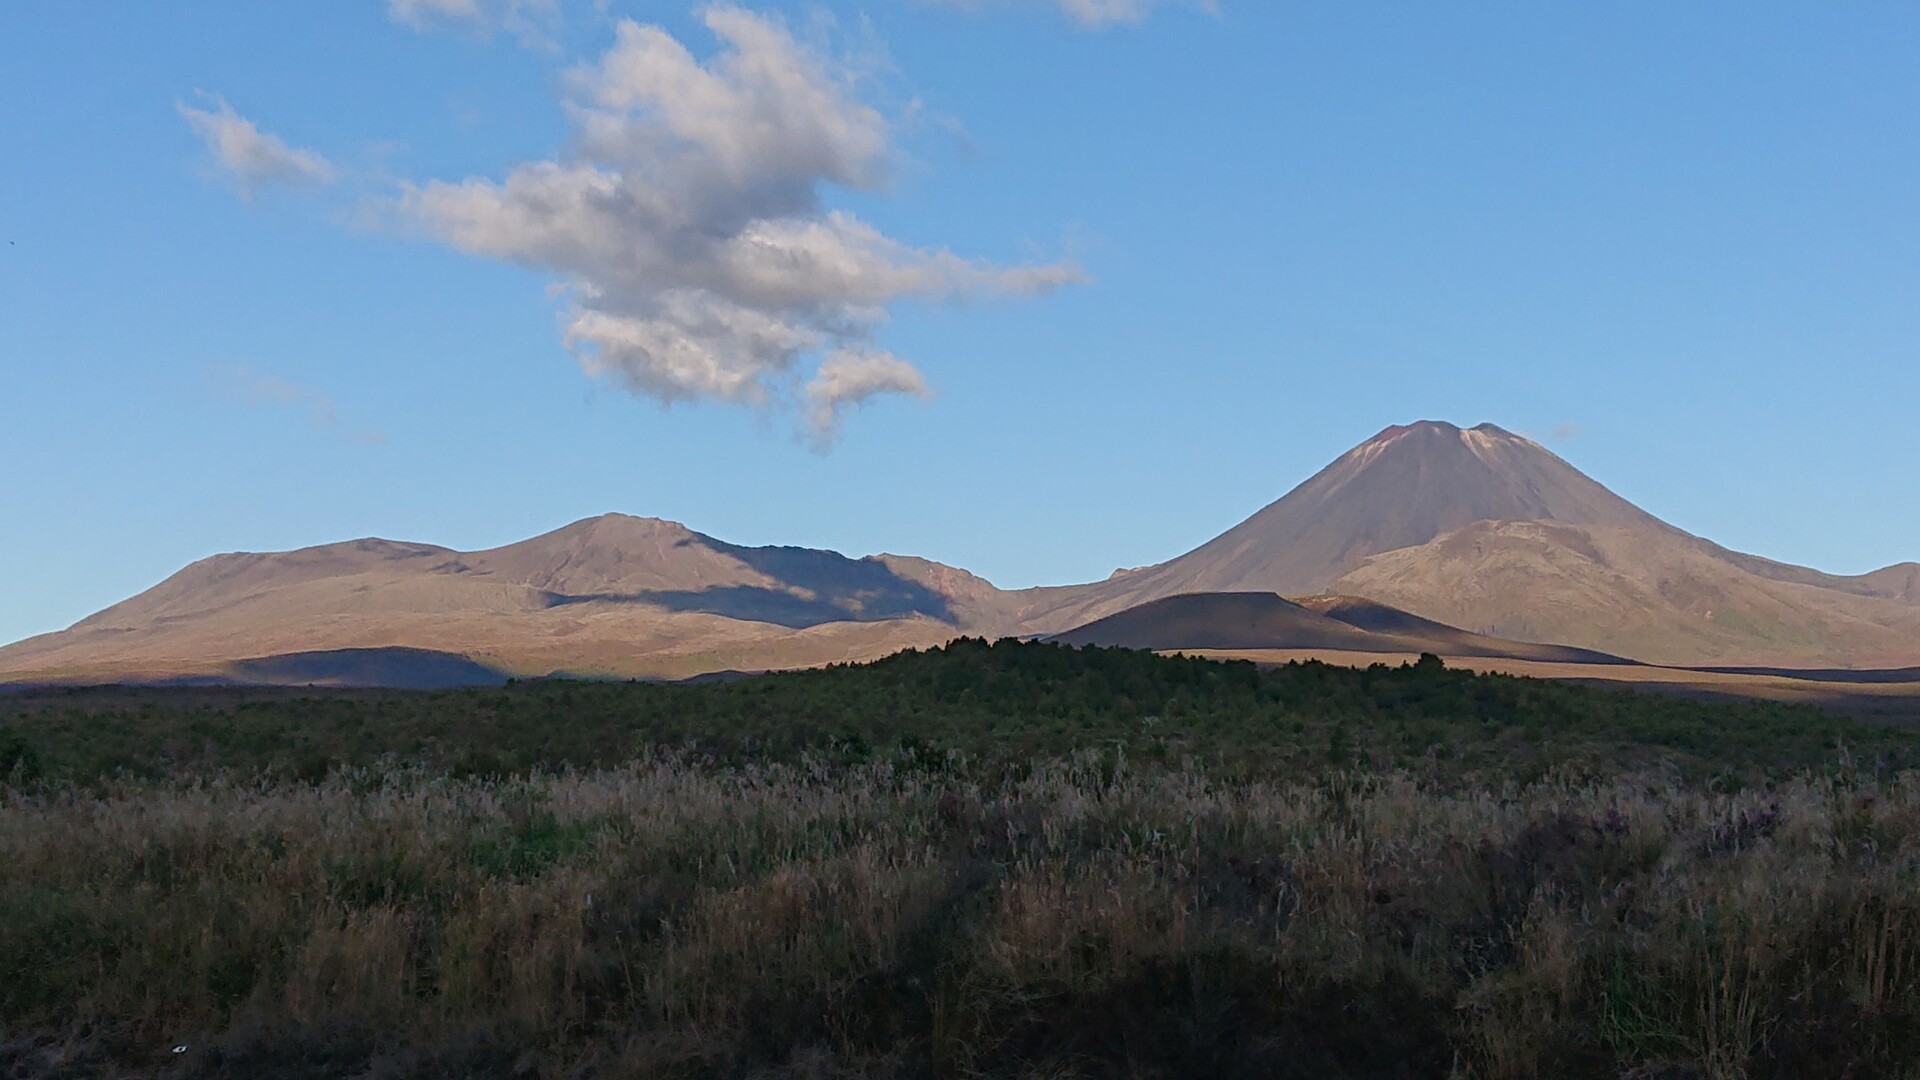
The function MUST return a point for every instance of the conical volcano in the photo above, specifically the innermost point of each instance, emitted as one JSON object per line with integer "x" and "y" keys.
{"x": 1486, "y": 530}
{"x": 1403, "y": 487}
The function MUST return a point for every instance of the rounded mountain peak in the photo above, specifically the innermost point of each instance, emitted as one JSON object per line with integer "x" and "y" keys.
{"x": 631, "y": 522}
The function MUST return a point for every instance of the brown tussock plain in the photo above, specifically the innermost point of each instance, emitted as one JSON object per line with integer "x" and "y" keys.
{"x": 1075, "y": 918}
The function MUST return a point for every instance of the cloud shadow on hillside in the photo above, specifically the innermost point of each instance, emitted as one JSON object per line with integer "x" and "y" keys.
{"x": 795, "y": 612}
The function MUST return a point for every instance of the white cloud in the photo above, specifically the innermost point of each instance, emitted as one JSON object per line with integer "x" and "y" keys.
{"x": 848, "y": 379}
{"x": 690, "y": 229}
{"x": 532, "y": 21}
{"x": 253, "y": 157}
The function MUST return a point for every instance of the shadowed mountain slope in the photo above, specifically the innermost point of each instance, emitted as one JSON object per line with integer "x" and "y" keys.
{"x": 617, "y": 558}
{"x": 1235, "y": 620}
{"x": 1438, "y": 637}
{"x": 1260, "y": 621}
{"x": 397, "y": 668}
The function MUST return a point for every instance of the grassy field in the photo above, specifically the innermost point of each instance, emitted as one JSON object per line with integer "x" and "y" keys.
{"x": 1012, "y": 861}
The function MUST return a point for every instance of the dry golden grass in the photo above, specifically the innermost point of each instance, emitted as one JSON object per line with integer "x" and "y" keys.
{"x": 1080, "y": 919}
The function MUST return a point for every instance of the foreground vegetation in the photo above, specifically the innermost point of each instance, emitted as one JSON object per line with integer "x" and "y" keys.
{"x": 995, "y": 706}
{"x": 1654, "y": 891}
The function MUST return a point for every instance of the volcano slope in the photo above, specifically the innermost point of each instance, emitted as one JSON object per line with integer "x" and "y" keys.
{"x": 1490, "y": 532}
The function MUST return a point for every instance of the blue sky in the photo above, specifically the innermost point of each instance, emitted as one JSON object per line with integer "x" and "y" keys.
{"x": 1086, "y": 290}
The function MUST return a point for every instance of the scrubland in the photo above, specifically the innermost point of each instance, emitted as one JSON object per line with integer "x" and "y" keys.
{"x": 901, "y": 910}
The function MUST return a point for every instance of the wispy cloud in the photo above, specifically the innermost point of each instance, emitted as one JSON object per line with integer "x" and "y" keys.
{"x": 1089, "y": 14}
{"x": 253, "y": 158}
{"x": 533, "y": 22}
{"x": 1099, "y": 14}
{"x": 256, "y": 390}
{"x": 688, "y": 225}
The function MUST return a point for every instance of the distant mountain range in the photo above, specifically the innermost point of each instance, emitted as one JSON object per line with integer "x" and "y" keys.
{"x": 1474, "y": 537}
